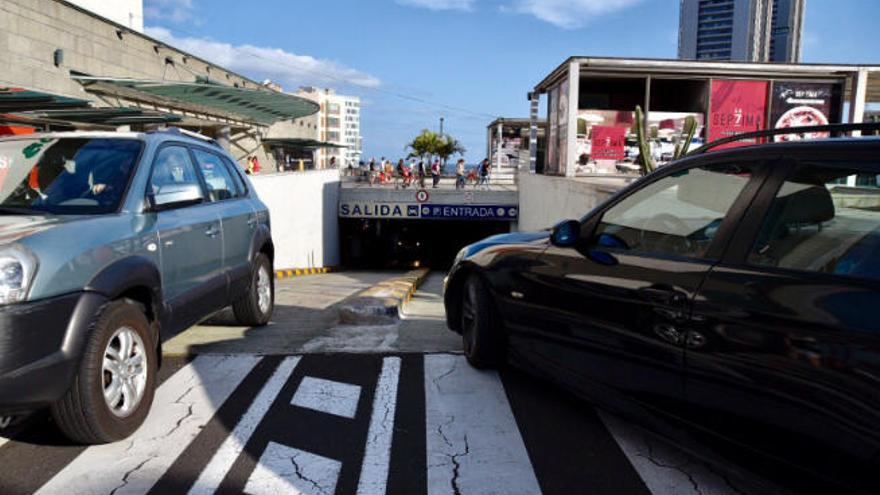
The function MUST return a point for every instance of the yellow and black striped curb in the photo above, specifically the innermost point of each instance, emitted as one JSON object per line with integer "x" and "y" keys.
{"x": 383, "y": 302}
{"x": 299, "y": 272}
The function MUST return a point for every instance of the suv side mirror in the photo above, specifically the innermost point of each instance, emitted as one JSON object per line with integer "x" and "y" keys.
{"x": 176, "y": 196}
{"x": 566, "y": 233}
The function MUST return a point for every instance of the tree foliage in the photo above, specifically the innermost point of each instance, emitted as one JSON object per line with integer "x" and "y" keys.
{"x": 429, "y": 143}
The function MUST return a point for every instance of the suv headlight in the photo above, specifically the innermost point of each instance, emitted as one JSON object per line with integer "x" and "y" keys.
{"x": 17, "y": 268}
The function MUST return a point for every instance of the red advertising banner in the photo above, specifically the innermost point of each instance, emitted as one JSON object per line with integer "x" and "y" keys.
{"x": 608, "y": 143}
{"x": 737, "y": 107}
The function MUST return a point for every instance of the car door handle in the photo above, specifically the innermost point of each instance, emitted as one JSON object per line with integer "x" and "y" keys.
{"x": 252, "y": 222}
{"x": 662, "y": 295}
{"x": 212, "y": 232}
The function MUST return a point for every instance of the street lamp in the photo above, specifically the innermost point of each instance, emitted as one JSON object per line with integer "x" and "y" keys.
{"x": 441, "y": 126}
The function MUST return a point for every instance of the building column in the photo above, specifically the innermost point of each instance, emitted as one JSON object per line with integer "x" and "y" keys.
{"x": 222, "y": 138}
{"x": 533, "y": 131}
{"x": 574, "y": 81}
{"x": 858, "y": 97}
{"x": 499, "y": 133}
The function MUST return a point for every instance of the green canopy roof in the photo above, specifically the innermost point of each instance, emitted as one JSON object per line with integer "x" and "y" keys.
{"x": 20, "y": 99}
{"x": 260, "y": 106}
{"x": 301, "y": 143}
{"x": 110, "y": 116}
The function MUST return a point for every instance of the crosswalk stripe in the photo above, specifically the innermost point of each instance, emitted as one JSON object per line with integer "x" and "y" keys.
{"x": 283, "y": 469}
{"x": 3, "y": 440}
{"x": 211, "y": 477}
{"x": 182, "y": 406}
{"x": 471, "y": 431}
{"x": 374, "y": 470}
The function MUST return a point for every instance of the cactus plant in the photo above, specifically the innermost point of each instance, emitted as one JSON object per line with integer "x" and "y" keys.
{"x": 646, "y": 161}
{"x": 690, "y": 128}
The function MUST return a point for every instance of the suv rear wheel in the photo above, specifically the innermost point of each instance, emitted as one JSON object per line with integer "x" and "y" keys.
{"x": 114, "y": 385}
{"x": 255, "y": 308}
{"x": 481, "y": 336}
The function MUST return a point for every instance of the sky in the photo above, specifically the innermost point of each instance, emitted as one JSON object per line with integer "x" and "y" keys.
{"x": 469, "y": 61}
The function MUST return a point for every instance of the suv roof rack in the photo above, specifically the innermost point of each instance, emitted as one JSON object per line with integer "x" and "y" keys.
{"x": 833, "y": 129}
{"x": 184, "y": 132}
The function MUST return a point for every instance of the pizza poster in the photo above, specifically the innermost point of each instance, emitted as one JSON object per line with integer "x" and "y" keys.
{"x": 737, "y": 107}
{"x": 608, "y": 142}
{"x": 799, "y": 104}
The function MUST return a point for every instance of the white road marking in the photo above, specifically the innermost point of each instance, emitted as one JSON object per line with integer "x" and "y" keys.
{"x": 183, "y": 405}
{"x": 327, "y": 396}
{"x": 3, "y": 440}
{"x": 284, "y": 469}
{"x": 474, "y": 445}
{"x": 374, "y": 470}
{"x": 664, "y": 470}
{"x": 232, "y": 447}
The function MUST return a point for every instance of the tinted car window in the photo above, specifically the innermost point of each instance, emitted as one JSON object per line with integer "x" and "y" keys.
{"x": 172, "y": 166}
{"x": 677, "y": 215}
{"x": 817, "y": 223}
{"x": 220, "y": 183}
{"x": 236, "y": 176}
{"x": 67, "y": 175}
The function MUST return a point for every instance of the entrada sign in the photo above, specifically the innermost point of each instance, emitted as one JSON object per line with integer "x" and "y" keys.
{"x": 428, "y": 211}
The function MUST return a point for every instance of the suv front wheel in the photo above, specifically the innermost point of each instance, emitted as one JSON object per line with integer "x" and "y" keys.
{"x": 113, "y": 389}
{"x": 255, "y": 308}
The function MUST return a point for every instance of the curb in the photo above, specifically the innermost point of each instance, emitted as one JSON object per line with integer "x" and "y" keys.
{"x": 383, "y": 302}
{"x": 299, "y": 272}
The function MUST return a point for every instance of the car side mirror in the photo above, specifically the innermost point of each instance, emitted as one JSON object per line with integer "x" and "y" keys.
{"x": 566, "y": 233}
{"x": 176, "y": 196}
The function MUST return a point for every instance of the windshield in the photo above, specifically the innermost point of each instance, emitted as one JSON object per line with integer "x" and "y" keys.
{"x": 82, "y": 176}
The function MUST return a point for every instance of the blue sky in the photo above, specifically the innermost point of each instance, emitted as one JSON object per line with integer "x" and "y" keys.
{"x": 413, "y": 61}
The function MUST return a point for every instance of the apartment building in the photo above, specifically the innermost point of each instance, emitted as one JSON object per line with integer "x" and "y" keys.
{"x": 339, "y": 122}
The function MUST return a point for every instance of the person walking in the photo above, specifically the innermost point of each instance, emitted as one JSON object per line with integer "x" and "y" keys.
{"x": 485, "y": 168}
{"x": 459, "y": 174}
{"x": 435, "y": 174}
{"x": 422, "y": 173}
{"x": 372, "y": 171}
{"x": 400, "y": 175}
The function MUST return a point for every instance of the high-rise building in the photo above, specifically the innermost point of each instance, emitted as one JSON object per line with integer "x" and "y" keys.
{"x": 747, "y": 30}
{"x": 339, "y": 122}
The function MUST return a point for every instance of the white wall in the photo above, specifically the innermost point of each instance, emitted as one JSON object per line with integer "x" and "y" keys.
{"x": 305, "y": 225}
{"x": 545, "y": 200}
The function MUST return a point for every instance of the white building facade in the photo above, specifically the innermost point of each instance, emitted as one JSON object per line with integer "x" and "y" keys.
{"x": 339, "y": 122}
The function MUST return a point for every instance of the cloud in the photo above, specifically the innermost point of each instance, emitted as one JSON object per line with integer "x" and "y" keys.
{"x": 465, "y": 5}
{"x": 176, "y": 11}
{"x": 568, "y": 14}
{"x": 285, "y": 68}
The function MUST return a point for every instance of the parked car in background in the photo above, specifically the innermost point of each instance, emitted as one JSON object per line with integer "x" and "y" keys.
{"x": 108, "y": 241}
{"x": 729, "y": 295}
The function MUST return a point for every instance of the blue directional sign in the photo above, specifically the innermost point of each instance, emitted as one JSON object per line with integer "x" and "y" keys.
{"x": 470, "y": 212}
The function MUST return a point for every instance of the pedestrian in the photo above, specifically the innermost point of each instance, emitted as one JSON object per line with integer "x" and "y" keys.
{"x": 332, "y": 162}
{"x": 256, "y": 165}
{"x": 435, "y": 174}
{"x": 485, "y": 167}
{"x": 351, "y": 167}
{"x": 372, "y": 171}
{"x": 249, "y": 166}
{"x": 388, "y": 171}
{"x": 400, "y": 176}
{"x": 422, "y": 173}
{"x": 459, "y": 174}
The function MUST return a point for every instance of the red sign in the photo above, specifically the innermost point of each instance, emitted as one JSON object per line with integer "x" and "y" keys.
{"x": 422, "y": 195}
{"x": 608, "y": 143}
{"x": 737, "y": 107}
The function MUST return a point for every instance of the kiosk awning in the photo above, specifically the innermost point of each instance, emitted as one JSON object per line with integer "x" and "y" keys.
{"x": 251, "y": 105}
{"x": 301, "y": 143}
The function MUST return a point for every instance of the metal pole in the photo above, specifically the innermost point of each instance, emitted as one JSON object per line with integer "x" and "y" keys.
{"x": 533, "y": 132}
{"x": 498, "y": 147}
{"x": 441, "y": 126}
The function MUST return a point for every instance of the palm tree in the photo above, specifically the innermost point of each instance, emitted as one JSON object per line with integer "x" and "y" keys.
{"x": 447, "y": 147}
{"x": 425, "y": 143}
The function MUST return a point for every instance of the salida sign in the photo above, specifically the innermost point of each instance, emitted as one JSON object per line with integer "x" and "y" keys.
{"x": 427, "y": 211}
{"x": 737, "y": 107}
{"x": 378, "y": 210}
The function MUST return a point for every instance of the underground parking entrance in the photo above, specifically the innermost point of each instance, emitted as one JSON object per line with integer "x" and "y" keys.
{"x": 393, "y": 243}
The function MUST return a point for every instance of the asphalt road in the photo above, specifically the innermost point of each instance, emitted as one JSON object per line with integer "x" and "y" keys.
{"x": 361, "y": 422}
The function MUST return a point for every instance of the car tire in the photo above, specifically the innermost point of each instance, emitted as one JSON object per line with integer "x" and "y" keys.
{"x": 120, "y": 350}
{"x": 480, "y": 331}
{"x": 256, "y": 307}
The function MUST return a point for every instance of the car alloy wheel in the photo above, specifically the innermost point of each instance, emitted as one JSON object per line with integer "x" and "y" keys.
{"x": 264, "y": 290}
{"x": 124, "y": 370}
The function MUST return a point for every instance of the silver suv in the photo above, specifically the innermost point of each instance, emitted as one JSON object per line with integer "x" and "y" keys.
{"x": 108, "y": 241}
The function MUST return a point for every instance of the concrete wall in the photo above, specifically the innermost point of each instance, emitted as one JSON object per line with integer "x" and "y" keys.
{"x": 545, "y": 200}
{"x": 126, "y": 12}
{"x": 305, "y": 227}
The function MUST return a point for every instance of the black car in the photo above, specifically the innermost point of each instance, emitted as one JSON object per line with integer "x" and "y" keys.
{"x": 729, "y": 295}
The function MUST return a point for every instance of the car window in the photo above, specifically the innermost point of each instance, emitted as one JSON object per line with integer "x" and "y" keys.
{"x": 172, "y": 166}
{"x": 824, "y": 219}
{"x": 220, "y": 183}
{"x": 677, "y": 215}
{"x": 240, "y": 186}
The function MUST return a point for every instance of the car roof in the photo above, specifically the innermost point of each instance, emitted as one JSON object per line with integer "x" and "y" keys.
{"x": 812, "y": 146}
{"x": 159, "y": 135}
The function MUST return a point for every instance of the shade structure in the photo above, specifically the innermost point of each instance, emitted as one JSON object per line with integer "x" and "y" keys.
{"x": 260, "y": 106}
{"x": 301, "y": 143}
{"x": 21, "y": 99}
{"x": 109, "y": 116}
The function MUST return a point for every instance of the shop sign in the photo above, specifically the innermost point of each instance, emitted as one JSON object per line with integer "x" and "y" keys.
{"x": 364, "y": 209}
{"x": 608, "y": 143}
{"x": 737, "y": 107}
{"x": 797, "y": 104}
{"x": 470, "y": 212}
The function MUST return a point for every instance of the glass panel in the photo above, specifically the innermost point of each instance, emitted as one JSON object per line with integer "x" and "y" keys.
{"x": 67, "y": 175}
{"x": 818, "y": 225}
{"x": 677, "y": 215}
{"x": 172, "y": 166}
{"x": 220, "y": 183}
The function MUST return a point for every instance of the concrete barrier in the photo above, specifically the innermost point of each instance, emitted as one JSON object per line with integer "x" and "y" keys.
{"x": 382, "y": 303}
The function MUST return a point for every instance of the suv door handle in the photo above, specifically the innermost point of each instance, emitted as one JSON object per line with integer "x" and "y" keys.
{"x": 663, "y": 295}
{"x": 212, "y": 232}
{"x": 252, "y": 222}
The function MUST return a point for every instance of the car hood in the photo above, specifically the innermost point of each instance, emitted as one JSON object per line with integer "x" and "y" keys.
{"x": 16, "y": 227}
